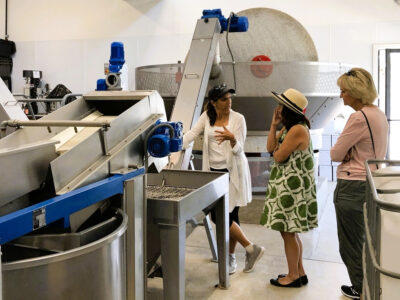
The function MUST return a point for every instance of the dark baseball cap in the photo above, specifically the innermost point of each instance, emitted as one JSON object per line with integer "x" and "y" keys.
{"x": 219, "y": 91}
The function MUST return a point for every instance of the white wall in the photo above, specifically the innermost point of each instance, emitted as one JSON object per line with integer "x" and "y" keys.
{"x": 69, "y": 40}
{"x": 2, "y": 18}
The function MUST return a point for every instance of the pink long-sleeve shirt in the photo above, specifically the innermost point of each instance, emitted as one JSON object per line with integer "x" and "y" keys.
{"x": 356, "y": 139}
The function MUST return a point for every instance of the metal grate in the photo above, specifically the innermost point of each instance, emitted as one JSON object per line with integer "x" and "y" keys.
{"x": 167, "y": 192}
{"x": 253, "y": 79}
{"x": 163, "y": 78}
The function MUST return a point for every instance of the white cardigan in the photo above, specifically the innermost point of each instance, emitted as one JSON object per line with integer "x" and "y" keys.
{"x": 239, "y": 172}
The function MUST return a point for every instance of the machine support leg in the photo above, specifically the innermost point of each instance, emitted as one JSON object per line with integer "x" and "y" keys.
{"x": 135, "y": 239}
{"x": 30, "y": 108}
{"x": 211, "y": 238}
{"x": 173, "y": 240}
{"x": 221, "y": 210}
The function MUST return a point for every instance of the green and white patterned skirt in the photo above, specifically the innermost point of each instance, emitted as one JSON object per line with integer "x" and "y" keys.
{"x": 291, "y": 198}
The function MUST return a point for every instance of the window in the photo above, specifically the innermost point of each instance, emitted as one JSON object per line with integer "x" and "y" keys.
{"x": 387, "y": 74}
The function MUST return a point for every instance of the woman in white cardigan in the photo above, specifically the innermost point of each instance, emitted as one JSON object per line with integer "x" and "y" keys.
{"x": 224, "y": 133}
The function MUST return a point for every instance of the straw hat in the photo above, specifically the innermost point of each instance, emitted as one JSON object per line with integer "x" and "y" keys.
{"x": 293, "y": 99}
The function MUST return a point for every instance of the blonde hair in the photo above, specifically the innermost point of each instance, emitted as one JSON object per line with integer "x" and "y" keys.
{"x": 359, "y": 84}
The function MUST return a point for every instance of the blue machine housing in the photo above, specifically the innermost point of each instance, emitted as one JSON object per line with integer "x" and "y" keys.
{"x": 101, "y": 85}
{"x": 117, "y": 58}
{"x": 160, "y": 143}
{"x": 237, "y": 24}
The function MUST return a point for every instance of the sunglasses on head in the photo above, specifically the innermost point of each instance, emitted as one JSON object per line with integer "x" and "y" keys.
{"x": 220, "y": 87}
{"x": 351, "y": 73}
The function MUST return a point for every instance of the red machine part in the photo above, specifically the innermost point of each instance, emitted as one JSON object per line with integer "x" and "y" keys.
{"x": 261, "y": 71}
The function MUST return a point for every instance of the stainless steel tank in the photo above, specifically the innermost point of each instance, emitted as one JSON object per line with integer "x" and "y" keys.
{"x": 86, "y": 265}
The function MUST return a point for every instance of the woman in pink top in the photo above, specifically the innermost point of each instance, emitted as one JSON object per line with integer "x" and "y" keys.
{"x": 364, "y": 137}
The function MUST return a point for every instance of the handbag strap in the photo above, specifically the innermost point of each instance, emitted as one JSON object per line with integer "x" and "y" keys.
{"x": 370, "y": 132}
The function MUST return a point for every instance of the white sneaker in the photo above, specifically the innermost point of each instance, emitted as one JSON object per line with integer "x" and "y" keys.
{"x": 252, "y": 258}
{"x": 232, "y": 264}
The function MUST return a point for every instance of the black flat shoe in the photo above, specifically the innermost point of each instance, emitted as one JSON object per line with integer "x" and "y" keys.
{"x": 295, "y": 283}
{"x": 303, "y": 279}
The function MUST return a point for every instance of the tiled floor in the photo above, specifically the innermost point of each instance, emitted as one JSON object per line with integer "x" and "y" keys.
{"x": 322, "y": 262}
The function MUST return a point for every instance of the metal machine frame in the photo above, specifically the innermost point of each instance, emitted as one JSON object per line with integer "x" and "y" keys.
{"x": 190, "y": 98}
{"x": 79, "y": 180}
{"x": 107, "y": 162}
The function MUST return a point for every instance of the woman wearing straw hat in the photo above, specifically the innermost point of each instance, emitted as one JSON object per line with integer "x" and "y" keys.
{"x": 291, "y": 202}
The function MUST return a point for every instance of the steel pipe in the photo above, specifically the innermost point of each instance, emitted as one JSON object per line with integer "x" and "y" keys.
{"x": 54, "y": 123}
{"x": 62, "y": 100}
{"x": 50, "y": 123}
{"x": 39, "y": 100}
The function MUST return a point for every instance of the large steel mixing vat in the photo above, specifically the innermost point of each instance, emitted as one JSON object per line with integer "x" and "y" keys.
{"x": 68, "y": 266}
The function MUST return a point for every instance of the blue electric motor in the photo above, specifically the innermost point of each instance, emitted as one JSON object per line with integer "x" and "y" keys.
{"x": 117, "y": 59}
{"x": 101, "y": 85}
{"x": 237, "y": 24}
{"x": 160, "y": 143}
{"x": 116, "y": 62}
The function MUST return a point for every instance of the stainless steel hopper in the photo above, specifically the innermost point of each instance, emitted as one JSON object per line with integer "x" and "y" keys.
{"x": 173, "y": 198}
{"x": 78, "y": 155}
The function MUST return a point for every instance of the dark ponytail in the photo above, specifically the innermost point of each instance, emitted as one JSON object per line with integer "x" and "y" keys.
{"x": 211, "y": 113}
{"x": 291, "y": 118}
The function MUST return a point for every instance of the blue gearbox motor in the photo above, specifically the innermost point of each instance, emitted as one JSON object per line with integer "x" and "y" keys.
{"x": 117, "y": 59}
{"x": 113, "y": 71}
{"x": 237, "y": 24}
{"x": 163, "y": 140}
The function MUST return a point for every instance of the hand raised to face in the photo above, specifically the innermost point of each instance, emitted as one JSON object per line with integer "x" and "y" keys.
{"x": 277, "y": 117}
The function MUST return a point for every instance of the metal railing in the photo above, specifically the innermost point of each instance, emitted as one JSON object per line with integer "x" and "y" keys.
{"x": 52, "y": 123}
{"x": 29, "y": 101}
{"x": 372, "y": 268}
